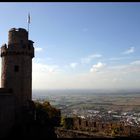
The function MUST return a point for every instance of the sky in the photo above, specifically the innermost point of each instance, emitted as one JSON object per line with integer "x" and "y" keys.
{"x": 83, "y": 45}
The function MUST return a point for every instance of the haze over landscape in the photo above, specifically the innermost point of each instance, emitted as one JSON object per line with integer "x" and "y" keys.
{"x": 80, "y": 45}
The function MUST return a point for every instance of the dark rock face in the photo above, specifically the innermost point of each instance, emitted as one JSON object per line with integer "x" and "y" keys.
{"x": 7, "y": 111}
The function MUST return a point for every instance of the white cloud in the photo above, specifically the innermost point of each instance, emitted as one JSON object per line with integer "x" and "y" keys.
{"x": 89, "y": 58}
{"x": 116, "y": 80}
{"x": 129, "y": 69}
{"x": 48, "y": 58}
{"x": 118, "y": 58}
{"x": 44, "y": 68}
{"x": 137, "y": 62}
{"x": 42, "y": 60}
{"x": 129, "y": 51}
{"x": 46, "y": 76}
{"x": 38, "y": 59}
{"x": 38, "y": 49}
{"x": 97, "y": 67}
{"x": 117, "y": 67}
{"x": 73, "y": 65}
{"x": 110, "y": 77}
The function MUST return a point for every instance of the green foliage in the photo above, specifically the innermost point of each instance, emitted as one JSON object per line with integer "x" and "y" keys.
{"x": 62, "y": 121}
{"x": 47, "y": 114}
{"x": 68, "y": 123}
{"x": 115, "y": 130}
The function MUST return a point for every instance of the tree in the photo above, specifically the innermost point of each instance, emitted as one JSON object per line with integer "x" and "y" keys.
{"x": 47, "y": 114}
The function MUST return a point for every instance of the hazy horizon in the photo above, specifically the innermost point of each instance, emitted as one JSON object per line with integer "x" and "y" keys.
{"x": 85, "y": 91}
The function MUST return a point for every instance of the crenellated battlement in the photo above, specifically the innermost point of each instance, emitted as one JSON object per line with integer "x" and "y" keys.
{"x": 23, "y": 50}
{"x": 17, "y": 36}
{"x": 17, "y": 29}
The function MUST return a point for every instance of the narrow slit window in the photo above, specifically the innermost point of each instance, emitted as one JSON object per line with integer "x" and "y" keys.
{"x": 86, "y": 123}
{"x": 16, "y": 68}
{"x": 94, "y": 124}
{"x": 79, "y": 122}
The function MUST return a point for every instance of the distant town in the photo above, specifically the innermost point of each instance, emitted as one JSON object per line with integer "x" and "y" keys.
{"x": 103, "y": 110}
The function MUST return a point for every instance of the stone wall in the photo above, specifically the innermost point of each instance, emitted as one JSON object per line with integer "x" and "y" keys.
{"x": 7, "y": 112}
{"x": 113, "y": 128}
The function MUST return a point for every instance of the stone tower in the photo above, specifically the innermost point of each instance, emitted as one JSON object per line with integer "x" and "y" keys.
{"x": 17, "y": 65}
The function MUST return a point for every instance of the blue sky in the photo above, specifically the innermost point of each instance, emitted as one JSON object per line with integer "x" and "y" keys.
{"x": 79, "y": 45}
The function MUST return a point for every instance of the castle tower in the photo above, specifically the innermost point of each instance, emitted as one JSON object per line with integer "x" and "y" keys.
{"x": 17, "y": 65}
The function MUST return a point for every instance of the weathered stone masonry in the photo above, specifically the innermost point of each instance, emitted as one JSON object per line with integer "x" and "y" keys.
{"x": 16, "y": 77}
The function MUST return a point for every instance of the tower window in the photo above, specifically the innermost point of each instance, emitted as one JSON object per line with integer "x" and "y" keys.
{"x": 94, "y": 124}
{"x": 16, "y": 68}
{"x": 29, "y": 47}
{"x": 79, "y": 121}
{"x": 86, "y": 123}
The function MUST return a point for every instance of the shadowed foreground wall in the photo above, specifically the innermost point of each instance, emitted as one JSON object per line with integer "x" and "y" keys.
{"x": 7, "y": 111}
